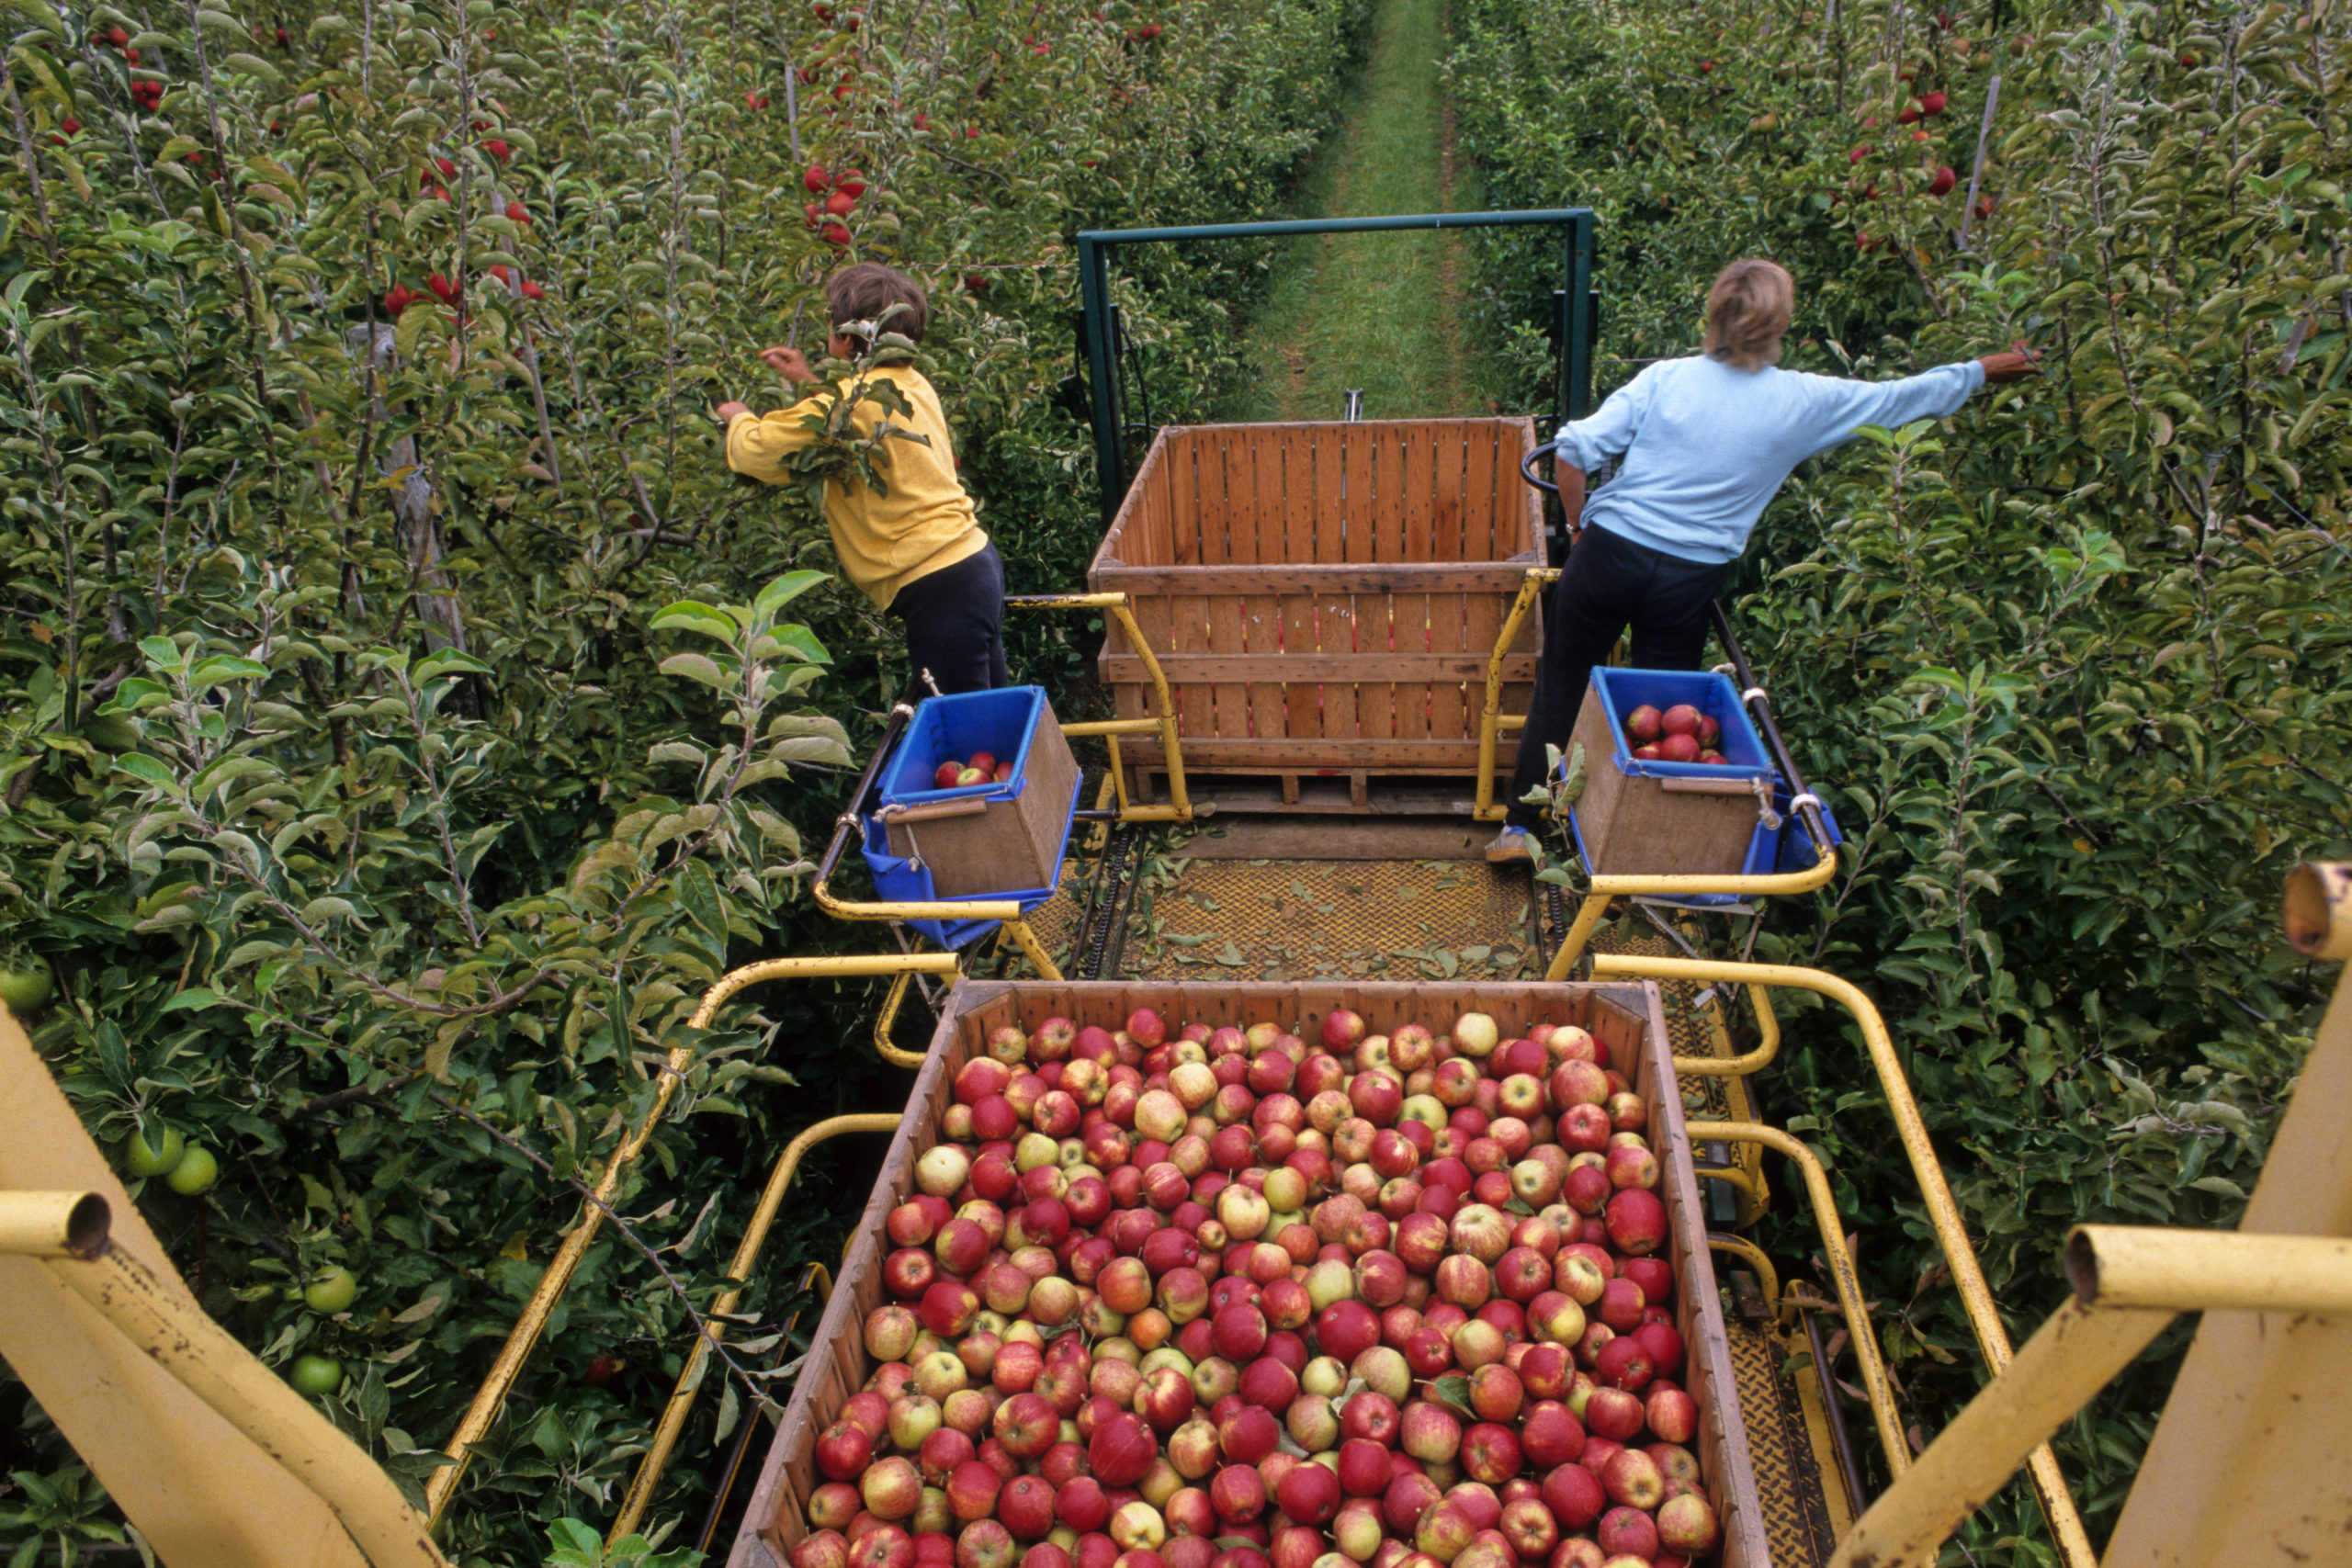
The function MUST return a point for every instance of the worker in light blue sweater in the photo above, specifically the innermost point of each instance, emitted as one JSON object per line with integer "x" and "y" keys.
{"x": 1705, "y": 442}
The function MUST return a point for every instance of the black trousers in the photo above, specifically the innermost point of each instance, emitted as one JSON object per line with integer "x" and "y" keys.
{"x": 954, "y": 621}
{"x": 1609, "y": 583}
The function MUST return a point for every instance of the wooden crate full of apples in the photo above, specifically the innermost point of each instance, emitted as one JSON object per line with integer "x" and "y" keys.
{"x": 1275, "y": 1276}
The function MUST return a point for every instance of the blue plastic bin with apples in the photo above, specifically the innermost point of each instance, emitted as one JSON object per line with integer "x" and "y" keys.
{"x": 994, "y": 840}
{"x": 1647, "y": 816}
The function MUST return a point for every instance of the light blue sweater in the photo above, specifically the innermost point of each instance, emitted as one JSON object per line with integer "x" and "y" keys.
{"x": 1705, "y": 445}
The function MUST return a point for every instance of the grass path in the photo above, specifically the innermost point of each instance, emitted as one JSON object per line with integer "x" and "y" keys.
{"x": 1383, "y": 312}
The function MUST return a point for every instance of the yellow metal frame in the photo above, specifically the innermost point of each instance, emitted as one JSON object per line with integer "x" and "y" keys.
{"x": 1492, "y": 720}
{"x": 524, "y": 1336}
{"x": 656, "y": 1459}
{"x": 1162, "y": 722}
{"x": 1606, "y": 890}
{"x": 69, "y": 1231}
{"x": 1841, "y": 1271}
{"x": 2130, "y": 1283}
{"x": 1952, "y": 1234}
{"x": 1747, "y": 1252}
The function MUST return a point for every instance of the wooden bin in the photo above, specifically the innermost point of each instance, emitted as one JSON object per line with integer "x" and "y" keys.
{"x": 1625, "y": 1016}
{"x": 1632, "y": 825}
{"x": 1324, "y": 598}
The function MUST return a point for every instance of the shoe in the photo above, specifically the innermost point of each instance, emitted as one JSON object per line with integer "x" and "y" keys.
{"x": 1511, "y": 845}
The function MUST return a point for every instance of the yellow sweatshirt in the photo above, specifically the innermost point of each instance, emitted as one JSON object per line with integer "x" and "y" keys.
{"x": 924, "y": 524}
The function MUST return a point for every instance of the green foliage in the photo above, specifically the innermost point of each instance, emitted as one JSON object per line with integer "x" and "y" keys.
{"x": 404, "y": 715}
{"x": 2068, "y": 666}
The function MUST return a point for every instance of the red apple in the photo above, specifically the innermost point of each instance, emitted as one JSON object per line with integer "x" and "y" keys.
{"x": 1121, "y": 1451}
{"x": 1628, "y": 1532}
{"x": 1636, "y": 1221}
{"x": 1687, "y": 1526}
{"x": 1642, "y": 724}
{"x": 946, "y": 774}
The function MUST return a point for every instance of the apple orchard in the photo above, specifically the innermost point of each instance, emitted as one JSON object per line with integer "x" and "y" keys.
{"x": 1232, "y": 1300}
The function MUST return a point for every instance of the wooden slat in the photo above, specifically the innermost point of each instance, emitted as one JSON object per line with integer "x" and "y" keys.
{"x": 1261, "y": 627}
{"x": 1185, "y": 662}
{"x": 1314, "y": 752}
{"x": 1483, "y": 494}
{"x": 1356, "y": 458}
{"x": 1453, "y": 463}
{"x": 1166, "y": 470}
{"x": 1388, "y": 496}
{"x": 1302, "y": 687}
{"x": 1196, "y": 665}
{"x": 1226, "y": 637}
{"x": 1498, "y": 577}
{"x": 1334, "y": 524}
{"x": 1212, "y": 500}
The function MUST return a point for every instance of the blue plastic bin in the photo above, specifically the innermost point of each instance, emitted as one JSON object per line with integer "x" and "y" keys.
{"x": 1028, "y": 816}
{"x": 1615, "y": 694}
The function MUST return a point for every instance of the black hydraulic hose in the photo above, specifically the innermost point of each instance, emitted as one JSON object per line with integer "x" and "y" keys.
{"x": 1762, "y": 708}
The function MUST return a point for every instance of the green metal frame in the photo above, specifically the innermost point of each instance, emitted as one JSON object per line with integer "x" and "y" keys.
{"x": 1574, "y": 302}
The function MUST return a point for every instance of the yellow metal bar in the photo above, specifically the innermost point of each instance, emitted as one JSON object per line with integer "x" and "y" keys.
{"x": 1841, "y": 1271}
{"x": 2068, "y": 1359}
{"x": 1621, "y": 966}
{"x": 1952, "y": 1233}
{"x": 2130, "y": 1281}
{"x": 1588, "y": 918}
{"x": 847, "y": 909}
{"x": 524, "y": 1335}
{"x": 888, "y": 1017}
{"x": 1163, "y": 717}
{"x": 1747, "y": 1252}
{"x": 197, "y": 1352}
{"x": 1112, "y": 726}
{"x": 54, "y": 1225}
{"x": 642, "y": 1486}
{"x": 2249, "y": 1464}
{"x": 2182, "y": 1270}
{"x": 1034, "y": 949}
{"x": 1490, "y": 717}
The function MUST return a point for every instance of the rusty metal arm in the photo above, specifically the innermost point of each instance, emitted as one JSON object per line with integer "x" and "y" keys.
{"x": 1492, "y": 720}
{"x": 70, "y": 1231}
{"x": 1952, "y": 1233}
{"x": 642, "y": 1486}
{"x": 2130, "y": 1283}
{"x": 524, "y": 1335}
{"x": 1162, "y": 720}
{"x": 1841, "y": 1271}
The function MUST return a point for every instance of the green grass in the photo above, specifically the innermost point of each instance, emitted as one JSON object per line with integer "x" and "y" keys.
{"x": 1382, "y": 312}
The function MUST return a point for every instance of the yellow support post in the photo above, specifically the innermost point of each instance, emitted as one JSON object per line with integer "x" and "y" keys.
{"x": 647, "y": 1478}
{"x": 1841, "y": 1271}
{"x": 2129, "y": 1283}
{"x": 1960, "y": 1255}
{"x": 1492, "y": 721}
{"x": 524, "y": 1335}
{"x": 1163, "y": 719}
{"x": 1747, "y": 1252}
{"x": 69, "y": 1230}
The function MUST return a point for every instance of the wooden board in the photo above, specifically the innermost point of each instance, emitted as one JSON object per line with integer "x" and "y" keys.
{"x": 1628, "y": 1019}
{"x": 1632, "y": 826}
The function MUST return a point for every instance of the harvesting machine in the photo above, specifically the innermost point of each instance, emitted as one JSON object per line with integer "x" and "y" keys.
{"x": 1317, "y": 640}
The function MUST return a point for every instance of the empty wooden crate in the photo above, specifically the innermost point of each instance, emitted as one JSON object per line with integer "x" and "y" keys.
{"x": 1324, "y": 598}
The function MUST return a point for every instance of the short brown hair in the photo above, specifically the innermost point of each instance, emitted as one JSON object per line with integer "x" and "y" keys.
{"x": 1748, "y": 310}
{"x": 861, "y": 293}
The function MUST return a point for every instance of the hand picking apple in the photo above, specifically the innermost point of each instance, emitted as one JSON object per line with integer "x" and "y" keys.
{"x": 1235, "y": 1300}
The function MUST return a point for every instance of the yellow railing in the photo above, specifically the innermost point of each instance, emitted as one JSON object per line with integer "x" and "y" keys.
{"x": 1492, "y": 720}
{"x": 1162, "y": 721}
{"x": 2130, "y": 1283}
{"x": 1952, "y": 1234}
{"x": 524, "y": 1335}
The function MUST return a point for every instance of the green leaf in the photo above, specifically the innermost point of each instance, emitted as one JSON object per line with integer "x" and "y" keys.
{"x": 785, "y": 589}
{"x": 697, "y": 667}
{"x": 688, "y": 616}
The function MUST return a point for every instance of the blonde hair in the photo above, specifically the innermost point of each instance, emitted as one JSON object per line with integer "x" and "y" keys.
{"x": 1748, "y": 312}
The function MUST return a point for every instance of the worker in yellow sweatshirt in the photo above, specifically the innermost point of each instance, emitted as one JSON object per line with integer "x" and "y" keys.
{"x": 918, "y": 551}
